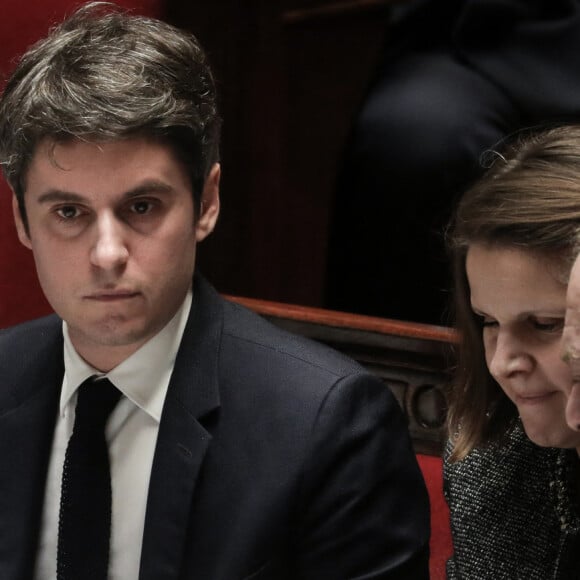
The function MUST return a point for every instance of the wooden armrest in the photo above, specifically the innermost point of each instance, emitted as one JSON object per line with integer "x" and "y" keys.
{"x": 413, "y": 359}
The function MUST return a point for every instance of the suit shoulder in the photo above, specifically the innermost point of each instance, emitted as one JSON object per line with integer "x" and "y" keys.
{"x": 245, "y": 326}
{"x": 28, "y": 335}
{"x": 29, "y": 351}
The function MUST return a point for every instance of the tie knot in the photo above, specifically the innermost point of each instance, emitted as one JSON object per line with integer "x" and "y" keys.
{"x": 96, "y": 400}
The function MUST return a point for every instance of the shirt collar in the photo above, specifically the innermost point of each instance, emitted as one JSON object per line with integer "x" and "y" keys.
{"x": 143, "y": 377}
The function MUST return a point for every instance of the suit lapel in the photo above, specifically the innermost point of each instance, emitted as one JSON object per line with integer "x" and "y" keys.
{"x": 27, "y": 419}
{"x": 183, "y": 440}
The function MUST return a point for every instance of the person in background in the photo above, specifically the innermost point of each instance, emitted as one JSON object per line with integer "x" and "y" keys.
{"x": 151, "y": 429}
{"x": 455, "y": 78}
{"x": 511, "y": 471}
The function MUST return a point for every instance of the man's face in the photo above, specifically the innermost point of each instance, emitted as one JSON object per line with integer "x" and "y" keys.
{"x": 113, "y": 233}
{"x": 571, "y": 345}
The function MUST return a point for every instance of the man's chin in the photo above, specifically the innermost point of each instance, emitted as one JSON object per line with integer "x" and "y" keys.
{"x": 112, "y": 334}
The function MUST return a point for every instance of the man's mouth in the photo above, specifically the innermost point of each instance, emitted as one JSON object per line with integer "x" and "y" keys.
{"x": 112, "y": 295}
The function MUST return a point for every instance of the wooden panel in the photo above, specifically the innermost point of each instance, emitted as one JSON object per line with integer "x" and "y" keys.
{"x": 291, "y": 74}
{"x": 414, "y": 360}
{"x": 322, "y": 10}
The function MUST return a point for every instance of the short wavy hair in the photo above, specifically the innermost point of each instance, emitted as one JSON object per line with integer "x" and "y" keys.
{"x": 529, "y": 199}
{"x": 104, "y": 74}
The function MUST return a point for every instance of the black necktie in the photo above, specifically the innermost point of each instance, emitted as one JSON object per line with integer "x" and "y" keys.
{"x": 84, "y": 525}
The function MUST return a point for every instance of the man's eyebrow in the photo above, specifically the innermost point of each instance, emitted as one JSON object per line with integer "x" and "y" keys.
{"x": 147, "y": 187}
{"x": 59, "y": 195}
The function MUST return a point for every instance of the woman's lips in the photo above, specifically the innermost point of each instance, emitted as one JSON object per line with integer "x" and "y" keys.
{"x": 535, "y": 399}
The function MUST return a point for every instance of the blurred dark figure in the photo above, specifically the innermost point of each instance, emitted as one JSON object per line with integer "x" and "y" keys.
{"x": 456, "y": 77}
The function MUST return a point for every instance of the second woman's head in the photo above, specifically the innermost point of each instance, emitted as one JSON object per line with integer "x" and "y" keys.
{"x": 512, "y": 242}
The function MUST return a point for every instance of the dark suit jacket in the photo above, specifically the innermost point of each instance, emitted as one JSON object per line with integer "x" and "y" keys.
{"x": 276, "y": 457}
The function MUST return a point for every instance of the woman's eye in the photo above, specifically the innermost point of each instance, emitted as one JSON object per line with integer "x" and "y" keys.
{"x": 485, "y": 321}
{"x": 548, "y": 325}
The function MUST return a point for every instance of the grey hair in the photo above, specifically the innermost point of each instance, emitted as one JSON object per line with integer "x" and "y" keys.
{"x": 104, "y": 74}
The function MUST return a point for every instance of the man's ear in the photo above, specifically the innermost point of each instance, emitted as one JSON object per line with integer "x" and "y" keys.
{"x": 21, "y": 228}
{"x": 210, "y": 204}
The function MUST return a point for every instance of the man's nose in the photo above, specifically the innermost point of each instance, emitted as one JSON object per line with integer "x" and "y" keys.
{"x": 573, "y": 407}
{"x": 571, "y": 340}
{"x": 109, "y": 250}
{"x": 571, "y": 355}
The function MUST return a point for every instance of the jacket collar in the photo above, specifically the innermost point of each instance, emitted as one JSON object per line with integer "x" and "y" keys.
{"x": 183, "y": 440}
{"x": 28, "y": 410}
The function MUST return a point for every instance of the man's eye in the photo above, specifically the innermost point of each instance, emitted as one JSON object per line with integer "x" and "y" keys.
{"x": 68, "y": 212}
{"x": 141, "y": 207}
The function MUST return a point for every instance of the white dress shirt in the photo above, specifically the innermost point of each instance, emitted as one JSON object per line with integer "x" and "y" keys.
{"x": 131, "y": 431}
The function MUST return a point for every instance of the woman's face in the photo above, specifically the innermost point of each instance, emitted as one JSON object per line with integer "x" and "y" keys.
{"x": 521, "y": 300}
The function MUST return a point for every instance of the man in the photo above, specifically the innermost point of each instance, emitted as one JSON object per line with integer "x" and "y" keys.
{"x": 571, "y": 344}
{"x": 236, "y": 450}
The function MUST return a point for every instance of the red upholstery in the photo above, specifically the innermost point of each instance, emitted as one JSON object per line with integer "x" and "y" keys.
{"x": 440, "y": 532}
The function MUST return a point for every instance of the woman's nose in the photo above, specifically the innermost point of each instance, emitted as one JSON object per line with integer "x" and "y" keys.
{"x": 509, "y": 357}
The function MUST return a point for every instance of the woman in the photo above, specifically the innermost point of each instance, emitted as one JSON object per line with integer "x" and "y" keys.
{"x": 511, "y": 467}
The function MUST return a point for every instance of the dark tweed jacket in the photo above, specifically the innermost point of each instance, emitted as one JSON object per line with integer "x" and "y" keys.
{"x": 514, "y": 512}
